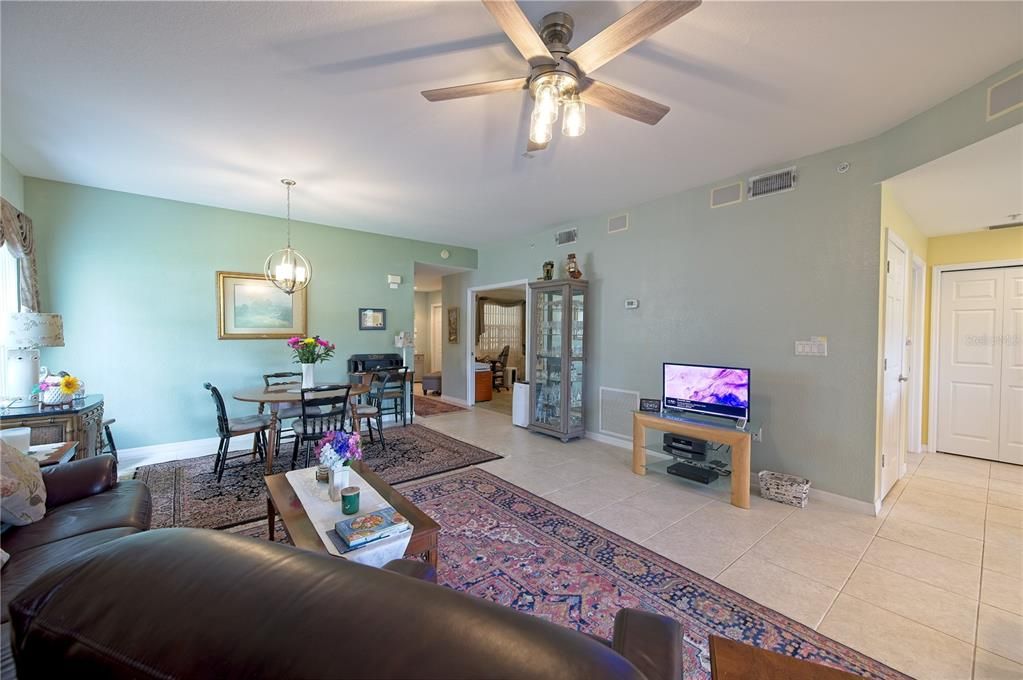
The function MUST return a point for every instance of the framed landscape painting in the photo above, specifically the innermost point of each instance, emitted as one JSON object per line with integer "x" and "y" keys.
{"x": 251, "y": 308}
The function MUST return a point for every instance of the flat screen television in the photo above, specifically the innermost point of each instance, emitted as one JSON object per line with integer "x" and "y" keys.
{"x": 712, "y": 390}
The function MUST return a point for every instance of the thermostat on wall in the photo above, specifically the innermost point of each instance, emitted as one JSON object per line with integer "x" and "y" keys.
{"x": 632, "y": 303}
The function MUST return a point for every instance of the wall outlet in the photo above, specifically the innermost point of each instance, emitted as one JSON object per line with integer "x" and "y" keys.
{"x": 632, "y": 303}
{"x": 758, "y": 436}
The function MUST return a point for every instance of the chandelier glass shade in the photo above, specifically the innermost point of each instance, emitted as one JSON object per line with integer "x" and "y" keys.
{"x": 288, "y": 269}
{"x": 550, "y": 91}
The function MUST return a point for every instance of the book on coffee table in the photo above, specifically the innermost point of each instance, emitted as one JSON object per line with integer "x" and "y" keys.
{"x": 370, "y": 527}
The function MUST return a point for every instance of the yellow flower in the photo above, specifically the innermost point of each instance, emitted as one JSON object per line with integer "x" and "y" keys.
{"x": 310, "y": 341}
{"x": 69, "y": 384}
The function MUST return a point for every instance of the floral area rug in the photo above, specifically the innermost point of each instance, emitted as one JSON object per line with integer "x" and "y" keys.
{"x": 428, "y": 406}
{"x": 502, "y": 543}
{"x": 186, "y": 492}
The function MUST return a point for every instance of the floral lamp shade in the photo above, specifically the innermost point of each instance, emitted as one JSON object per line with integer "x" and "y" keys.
{"x": 30, "y": 330}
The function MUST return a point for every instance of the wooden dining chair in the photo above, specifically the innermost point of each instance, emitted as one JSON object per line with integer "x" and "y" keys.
{"x": 324, "y": 409}
{"x": 391, "y": 400}
{"x": 371, "y": 411}
{"x": 227, "y": 428}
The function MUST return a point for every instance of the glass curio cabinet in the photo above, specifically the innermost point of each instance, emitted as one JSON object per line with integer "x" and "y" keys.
{"x": 557, "y": 393}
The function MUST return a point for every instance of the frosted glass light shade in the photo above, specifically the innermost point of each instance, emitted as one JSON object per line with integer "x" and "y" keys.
{"x": 288, "y": 269}
{"x": 31, "y": 330}
{"x": 547, "y": 99}
{"x": 573, "y": 124}
{"x": 540, "y": 128}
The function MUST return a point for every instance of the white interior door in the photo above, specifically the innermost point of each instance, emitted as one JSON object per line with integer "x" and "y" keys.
{"x": 436, "y": 329}
{"x": 970, "y": 362}
{"x": 893, "y": 437}
{"x": 1010, "y": 446}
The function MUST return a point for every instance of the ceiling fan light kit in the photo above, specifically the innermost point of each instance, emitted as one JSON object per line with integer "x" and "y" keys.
{"x": 559, "y": 75}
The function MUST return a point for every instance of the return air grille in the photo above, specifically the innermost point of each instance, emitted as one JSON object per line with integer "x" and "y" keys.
{"x": 772, "y": 183}
{"x": 616, "y": 407}
{"x": 618, "y": 223}
{"x": 1005, "y": 96}
{"x": 566, "y": 236}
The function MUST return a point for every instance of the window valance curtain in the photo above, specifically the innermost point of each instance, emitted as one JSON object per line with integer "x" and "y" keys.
{"x": 16, "y": 233}
{"x": 481, "y": 327}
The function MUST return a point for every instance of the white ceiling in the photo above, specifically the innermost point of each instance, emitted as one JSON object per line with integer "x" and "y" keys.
{"x": 214, "y": 102}
{"x": 976, "y": 187}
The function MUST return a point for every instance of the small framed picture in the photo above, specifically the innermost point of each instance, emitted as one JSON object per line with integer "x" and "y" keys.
{"x": 653, "y": 405}
{"x": 453, "y": 325}
{"x": 372, "y": 319}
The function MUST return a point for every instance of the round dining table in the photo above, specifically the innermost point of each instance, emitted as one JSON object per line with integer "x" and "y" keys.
{"x": 287, "y": 394}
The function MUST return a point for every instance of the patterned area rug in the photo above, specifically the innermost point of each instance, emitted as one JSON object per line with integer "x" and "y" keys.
{"x": 186, "y": 492}
{"x": 428, "y": 406}
{"x": 504, "y": 544}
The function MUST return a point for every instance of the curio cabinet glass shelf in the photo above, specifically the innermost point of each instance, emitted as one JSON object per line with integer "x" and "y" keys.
{"x": 557, "y": 395}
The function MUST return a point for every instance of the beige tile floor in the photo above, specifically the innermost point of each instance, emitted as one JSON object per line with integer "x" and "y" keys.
{"x": 932, "y": 587}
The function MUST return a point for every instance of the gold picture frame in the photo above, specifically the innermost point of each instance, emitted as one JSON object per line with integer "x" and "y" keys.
{"x": 251, "y": 308}
{"x": 453, "y": 325}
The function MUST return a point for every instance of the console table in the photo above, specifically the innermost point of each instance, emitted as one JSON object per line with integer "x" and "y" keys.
{"x": 738, "y": 439}
{"x": 81, "y": 421}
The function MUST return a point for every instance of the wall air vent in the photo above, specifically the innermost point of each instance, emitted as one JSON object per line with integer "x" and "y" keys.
{"x": 566, "y": 236}
{"x": 771, "y": 183}
{"x": 618, "y": 223}
{"x": 1005, "y": 95}
{"x": 616, "y": 407}
{"x": 726, "y": 195}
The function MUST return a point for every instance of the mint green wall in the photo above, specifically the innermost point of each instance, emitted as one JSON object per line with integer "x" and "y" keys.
{"x": 12, "y": 184}
{"x": 423, "y": 302}
{"x": 134, "y": 278}
{"x": 738, "y": 285}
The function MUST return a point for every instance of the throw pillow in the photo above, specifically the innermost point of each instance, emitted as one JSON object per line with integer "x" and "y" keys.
{"x": 22, "y": 492}
{"x": 3, "y": 558}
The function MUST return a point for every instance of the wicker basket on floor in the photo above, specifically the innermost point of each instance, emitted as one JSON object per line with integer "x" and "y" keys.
{"x": 788, "y": 489}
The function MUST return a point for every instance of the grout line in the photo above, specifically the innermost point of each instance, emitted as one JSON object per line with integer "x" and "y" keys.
{"x": 980, "y": 590}
{"x": 928, "y": 526}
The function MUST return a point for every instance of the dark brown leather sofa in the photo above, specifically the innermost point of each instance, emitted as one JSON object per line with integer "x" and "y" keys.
{"x": 85, "y": 507}
{"x": 192, "y": 603}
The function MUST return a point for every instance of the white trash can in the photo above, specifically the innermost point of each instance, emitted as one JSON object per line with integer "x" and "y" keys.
{"x": 520, "y": 404}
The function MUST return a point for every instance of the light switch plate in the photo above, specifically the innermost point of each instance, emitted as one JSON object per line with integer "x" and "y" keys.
{"x": 632, "y": 303}
{"x": 816, "y": 346}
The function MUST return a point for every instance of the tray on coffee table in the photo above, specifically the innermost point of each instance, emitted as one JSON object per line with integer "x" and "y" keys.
{"x": 281, "y": 500}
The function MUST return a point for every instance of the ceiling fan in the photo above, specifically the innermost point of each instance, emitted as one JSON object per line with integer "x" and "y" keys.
{"x": 559, "y": 75}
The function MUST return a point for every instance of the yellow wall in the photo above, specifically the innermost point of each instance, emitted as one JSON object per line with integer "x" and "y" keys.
{"x": 974, "y": 246}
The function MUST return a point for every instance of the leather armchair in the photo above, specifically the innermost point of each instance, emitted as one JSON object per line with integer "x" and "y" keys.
{"x": 192, "y": 603}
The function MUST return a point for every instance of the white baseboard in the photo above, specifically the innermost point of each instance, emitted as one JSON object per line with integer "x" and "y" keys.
{"x": 609, "y": 439}
{"x": 454, "y": 400}
{"x": 163, "y": 453}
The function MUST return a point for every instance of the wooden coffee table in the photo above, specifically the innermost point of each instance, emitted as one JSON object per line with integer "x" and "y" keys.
{"x": 281, "y": 500}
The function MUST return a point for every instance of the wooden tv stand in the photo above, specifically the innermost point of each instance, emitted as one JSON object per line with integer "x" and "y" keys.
{"x": 738, "y": 439}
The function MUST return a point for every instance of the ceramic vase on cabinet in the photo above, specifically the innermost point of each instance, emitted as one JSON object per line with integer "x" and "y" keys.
{"x": 307, "y": 376}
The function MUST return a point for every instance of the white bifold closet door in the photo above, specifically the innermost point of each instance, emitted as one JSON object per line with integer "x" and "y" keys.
{"x": 980, "y": 369}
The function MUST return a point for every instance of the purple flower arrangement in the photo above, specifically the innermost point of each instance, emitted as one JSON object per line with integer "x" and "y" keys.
{"x": 338, "y": 448}
{"x": 312, "y": 350}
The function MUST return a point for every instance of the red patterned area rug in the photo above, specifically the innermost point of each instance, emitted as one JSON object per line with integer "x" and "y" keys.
{"x": 504, "y": 544}
{"x": 186, "y": 492}
{"x": 428, "y": 406}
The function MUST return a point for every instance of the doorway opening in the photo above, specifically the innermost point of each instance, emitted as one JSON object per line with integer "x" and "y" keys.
{"x": 427, "y": 314}
{"x": 497, "y": 347}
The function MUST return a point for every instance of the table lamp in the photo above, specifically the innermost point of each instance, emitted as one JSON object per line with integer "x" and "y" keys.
{"x": 26, "y": 333}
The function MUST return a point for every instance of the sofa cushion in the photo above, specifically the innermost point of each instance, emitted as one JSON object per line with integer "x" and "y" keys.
{"x": 21, "y": 486}
{"x": 126, "y": 504}
{"x": 25, "y": 567}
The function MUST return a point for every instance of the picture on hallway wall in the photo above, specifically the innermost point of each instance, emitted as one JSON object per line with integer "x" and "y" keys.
{"x": 251, "y": 308}
{"x": 453, "y": 325}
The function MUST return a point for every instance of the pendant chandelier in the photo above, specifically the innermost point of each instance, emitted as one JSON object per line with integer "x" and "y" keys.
{"x": 288, "y": 269}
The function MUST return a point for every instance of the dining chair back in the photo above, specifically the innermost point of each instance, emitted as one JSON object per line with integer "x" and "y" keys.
{"x": 282, "y": 378}
{"x": 389, "y": 392}
{"x": 324, "y": 409}
{"x": 227, "y": 428}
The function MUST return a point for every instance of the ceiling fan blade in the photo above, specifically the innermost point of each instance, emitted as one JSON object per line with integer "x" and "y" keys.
{"x": 532, "y": 146}
{"x": 631, "y": 29}
{"x": 475, "y": 90}
{"x": 514, "y": 23}
{"x": 622, "y": 102}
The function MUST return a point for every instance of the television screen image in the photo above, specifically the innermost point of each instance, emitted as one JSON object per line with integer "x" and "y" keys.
{"x": 714, "y": 390}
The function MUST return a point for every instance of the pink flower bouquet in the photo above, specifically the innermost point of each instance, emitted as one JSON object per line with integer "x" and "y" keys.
{"x": 311, "y": 350}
